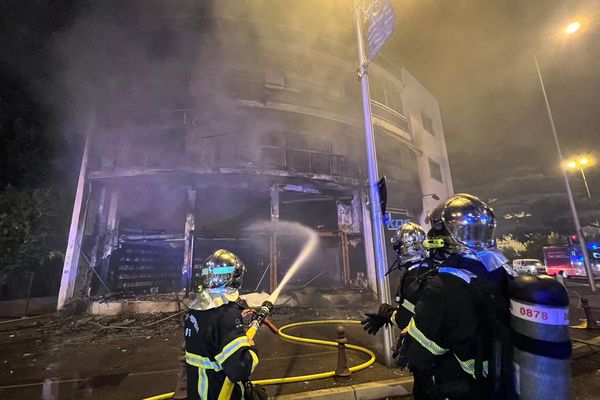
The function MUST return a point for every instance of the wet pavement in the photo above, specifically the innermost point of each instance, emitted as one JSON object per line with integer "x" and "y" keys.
{"x": 81, "y": 358}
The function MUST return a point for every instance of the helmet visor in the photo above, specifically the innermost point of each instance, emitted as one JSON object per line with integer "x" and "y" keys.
{"x": 222, "y": 269}
{"x": 478, "y": 236}
{"x": 470, "y": 222}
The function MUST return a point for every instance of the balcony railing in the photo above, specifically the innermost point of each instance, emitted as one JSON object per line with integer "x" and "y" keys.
{"x": 274, "y": 157}
{"x": 389, "y": 115}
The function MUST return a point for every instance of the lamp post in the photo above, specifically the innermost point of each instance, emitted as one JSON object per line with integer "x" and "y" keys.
{"x": 569, "y": 30}
{"x": 580, "y": 164}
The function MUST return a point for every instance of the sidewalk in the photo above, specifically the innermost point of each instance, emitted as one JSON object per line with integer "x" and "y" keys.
{"x": 393, "y": 388}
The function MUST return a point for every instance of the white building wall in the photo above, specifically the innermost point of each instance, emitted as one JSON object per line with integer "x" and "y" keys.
{"x": 417, "y": 99}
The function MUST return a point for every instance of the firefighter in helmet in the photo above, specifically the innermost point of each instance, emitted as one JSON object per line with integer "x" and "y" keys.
{"x": 215, "y": 338}
{"x": 414, "y": 266}
{"x": 459, "y": 318}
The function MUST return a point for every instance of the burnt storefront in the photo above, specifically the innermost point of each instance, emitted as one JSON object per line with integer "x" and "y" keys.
{"x": 272, "y": 133}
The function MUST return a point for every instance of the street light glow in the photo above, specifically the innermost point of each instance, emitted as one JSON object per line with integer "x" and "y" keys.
{"x": 579, "y": 162}
{"x": 572, "y": 28}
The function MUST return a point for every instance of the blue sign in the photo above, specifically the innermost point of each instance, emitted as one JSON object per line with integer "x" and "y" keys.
{"x": 394, "y": 223}
{"x": 382, "y": 24}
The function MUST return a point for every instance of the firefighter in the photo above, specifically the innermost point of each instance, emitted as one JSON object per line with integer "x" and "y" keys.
{"x": 215, "y": 338}
{"x": 460, "y": 321}
{"x": 414, "y": 267}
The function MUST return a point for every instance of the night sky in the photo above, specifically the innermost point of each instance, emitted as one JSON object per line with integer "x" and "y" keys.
{"x": 476, "y": 57}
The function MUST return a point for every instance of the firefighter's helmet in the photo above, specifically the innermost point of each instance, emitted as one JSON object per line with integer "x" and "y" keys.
{"x": 464, "y": 222}
{"x": 408, "y": 242}
{"x": 222, "y": 270}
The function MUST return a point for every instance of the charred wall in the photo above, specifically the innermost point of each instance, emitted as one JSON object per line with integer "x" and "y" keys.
{"x": 231, "y": 104}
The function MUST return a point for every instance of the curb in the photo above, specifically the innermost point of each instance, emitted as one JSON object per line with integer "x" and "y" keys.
{"x": 363, "y": 391}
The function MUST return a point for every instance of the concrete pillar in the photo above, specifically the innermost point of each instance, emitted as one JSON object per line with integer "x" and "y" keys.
{"x": 73, "y": 251}
{"x": 345, "y": 259}
{"x": 273, "y": 242}
{"x": 368, "y": 241}
{"x": 188, "y": 249}
{"x": 112, "y": 233}
{"x": 97, "y": 233}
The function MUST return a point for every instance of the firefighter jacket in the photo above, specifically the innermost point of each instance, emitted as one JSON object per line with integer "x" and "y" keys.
{"x": 446, "y": 336}
{"x": 412, "y": 283}
{"x": 216, "y": 347}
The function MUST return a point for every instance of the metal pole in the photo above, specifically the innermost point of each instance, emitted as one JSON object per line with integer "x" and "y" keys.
{"x": 587, "y": 188}
{"x": 376, "y": 216}
{"x": 578, "y": 230}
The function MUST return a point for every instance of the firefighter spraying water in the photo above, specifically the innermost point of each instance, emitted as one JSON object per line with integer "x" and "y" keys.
{"x": 220, "y": 353}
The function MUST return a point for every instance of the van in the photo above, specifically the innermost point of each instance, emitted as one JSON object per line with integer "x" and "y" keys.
{"x": 530, "y": 266}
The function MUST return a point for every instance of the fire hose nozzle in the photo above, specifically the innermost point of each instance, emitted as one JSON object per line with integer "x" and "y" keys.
{"x": 261, "y": 315}
{"x": 265, "y": 309}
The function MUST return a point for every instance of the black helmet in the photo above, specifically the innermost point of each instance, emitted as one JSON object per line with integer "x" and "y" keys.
{"x": 465, "y": 222}
{"x": 221, "y": 270}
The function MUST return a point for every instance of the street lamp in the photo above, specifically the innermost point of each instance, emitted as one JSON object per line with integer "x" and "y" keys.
{"x": 569, "y": 30}
{"x": 581, "y": 163}
{"x": 572, "y": 27}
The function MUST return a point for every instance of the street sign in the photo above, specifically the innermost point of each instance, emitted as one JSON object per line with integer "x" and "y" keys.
{"x": 381, "y": 23}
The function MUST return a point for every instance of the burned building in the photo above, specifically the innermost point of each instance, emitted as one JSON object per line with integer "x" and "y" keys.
{"x": 268, "y": 127}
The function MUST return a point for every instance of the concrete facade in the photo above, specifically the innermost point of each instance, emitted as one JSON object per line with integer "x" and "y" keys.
{"x": 270, "y": 128}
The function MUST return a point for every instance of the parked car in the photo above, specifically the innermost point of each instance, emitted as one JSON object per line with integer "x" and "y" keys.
{"x": 530, "y": 266}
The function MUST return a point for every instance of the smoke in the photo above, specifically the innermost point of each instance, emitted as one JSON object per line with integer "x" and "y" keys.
{"x": 122, "y": 58}
{"x": 189, "y": 84}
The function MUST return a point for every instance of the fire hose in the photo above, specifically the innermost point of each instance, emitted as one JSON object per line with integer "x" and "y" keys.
{"x": 301, "y": 378}
{"x": 264, "y": 312}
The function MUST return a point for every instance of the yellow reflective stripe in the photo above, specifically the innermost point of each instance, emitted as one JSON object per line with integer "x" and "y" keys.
{"x": 469, "y": 366}
{"x": 201, "y": 362}
{"x": 231, "y": 348}
{"x": 202, "y": 384}
{"x": 393, "y": 318}
{"x": 254, "y": 360}
{"x": 428, "y": 344}
{"x": 409, "y": 306}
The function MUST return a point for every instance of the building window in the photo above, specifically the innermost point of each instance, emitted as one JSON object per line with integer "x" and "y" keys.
{"x": 393, "y": 99}
{"x": 435, "y": 170}
{"x": 427, "y": 123}
{"x": 386, "y": 94}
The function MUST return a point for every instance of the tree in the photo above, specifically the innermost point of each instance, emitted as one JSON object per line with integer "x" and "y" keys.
{"x": 32, "y": 232}
{"x": 511, "y": 247}
{"x": 537, "y": 241}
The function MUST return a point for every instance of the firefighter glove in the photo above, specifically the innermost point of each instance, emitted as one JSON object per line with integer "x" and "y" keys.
{"x": 373, "y": 323}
